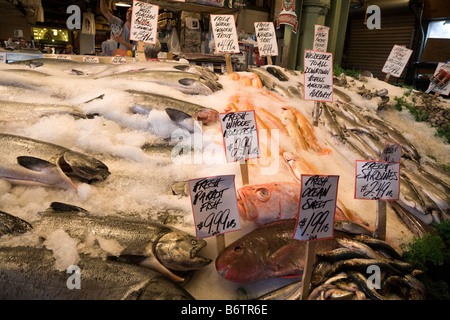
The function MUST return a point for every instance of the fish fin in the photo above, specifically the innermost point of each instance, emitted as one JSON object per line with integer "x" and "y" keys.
{"x": 10, "y": 224}
{"x": 182, "y": 67}
{"x": 60, "y": 206}
{"x": 177, "y": 115}
{"x": 33, "y": 163}
{"x": 186, "y": 81}
{"x": 139, "y": 110}
{"x": 285, "y": 261}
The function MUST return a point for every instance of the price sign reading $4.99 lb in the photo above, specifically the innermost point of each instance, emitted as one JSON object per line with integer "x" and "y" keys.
{"x": 317, "y": 207}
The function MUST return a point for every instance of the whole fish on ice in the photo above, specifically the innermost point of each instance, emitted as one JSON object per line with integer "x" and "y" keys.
{"x": 164, "y": 248}
{"x": 185, "y": 82}
{"x": 20, "y": 111}
{"x": 28, "y": 161}
{"x": 28, "y": 273}
{"x": 180, "y": 111}
{"x": 267, "y": 252}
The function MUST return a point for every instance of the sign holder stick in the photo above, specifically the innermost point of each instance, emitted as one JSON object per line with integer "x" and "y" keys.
{"x": 388, "y": 75}
{"x": 307, "y": 270}
{"x": 220, "y": 242}
{"x": 228, "y": 62}
{"x": 316, "y": 113}
{"x": 380, "y": 226}
{"x": 269, "y": 60}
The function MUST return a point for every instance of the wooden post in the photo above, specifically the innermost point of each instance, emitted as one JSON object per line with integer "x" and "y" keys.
{"x": 388, "y": 75}
{"x": 220, "y": 242}
{"x": 269, "y": 60}
{"x": 307, "y": 270}
{"x": 244, "y": 172}
{"x": 228, "y": 62}
{"x": 380, "y": 227}
{"x": 140, "y": 51}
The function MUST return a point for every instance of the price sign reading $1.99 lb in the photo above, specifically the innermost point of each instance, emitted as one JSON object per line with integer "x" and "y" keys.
{"x": 214, "y": 205}
{"x": 317, "y": 207}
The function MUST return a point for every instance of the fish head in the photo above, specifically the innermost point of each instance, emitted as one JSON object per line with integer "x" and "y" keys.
{"x": 82, "y": 166}
{"x": 268, "y": 202}
{"x": 178, "y": 250}
{"x": 242, "y": 261}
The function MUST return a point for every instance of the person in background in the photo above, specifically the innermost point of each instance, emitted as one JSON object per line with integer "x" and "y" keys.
{"x": 120, "y": 31}
{"x": 109, "y": 47}
{"x": 152, "y": 50}
{"x": 68, "y": 49}
{"x": 23, "y": 43}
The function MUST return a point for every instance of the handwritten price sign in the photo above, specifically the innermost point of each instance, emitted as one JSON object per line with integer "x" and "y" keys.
{"x": 377, "y": 180}
{"x": 267, "y": 41}
{"x": 317, "y": 207}
{"x": 144, "y": 22}
{"x": 214, "y": 205}
{"x": 224, "y": 31}
{"x": 397, "y": 60}
{"x": 321, "y": 38}
{"x": 392, "y": 152}
{"x": 240, "y": 135}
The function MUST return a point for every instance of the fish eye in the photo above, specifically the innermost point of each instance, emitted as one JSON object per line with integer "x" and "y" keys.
{"x": 238, "y": 249}
{"x": 193, "y": 241}
{"x": 263, "y": 194}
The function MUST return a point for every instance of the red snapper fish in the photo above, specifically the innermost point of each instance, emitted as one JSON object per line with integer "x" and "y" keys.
{"x": 268, "y": 252}
{"x": 268, "y": 202}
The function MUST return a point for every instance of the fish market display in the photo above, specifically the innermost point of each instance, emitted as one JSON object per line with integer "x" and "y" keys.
{"x": 95, "y": 159}
{"x": 29, "y": 274}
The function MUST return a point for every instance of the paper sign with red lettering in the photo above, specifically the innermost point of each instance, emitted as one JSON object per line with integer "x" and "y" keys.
{"x": 214, "y": 205}
{"x": 240, "y": 135}
{"x": 397, "y": 60}
{"x": 144, "y": 22}
{"x": 318, "y": 75}
{"x": 267, "y": 40}
{"x": 224, "y": 31}
{"x": 377, "y": 180}
{"x": 317, "y": 207}
{"x": 440, "y": 82}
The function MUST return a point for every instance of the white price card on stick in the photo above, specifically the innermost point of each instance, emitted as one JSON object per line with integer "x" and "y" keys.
{"x": 266, "y": 38}
{"x": 224, "y": 31}
{"x": 397, "y": 60}
{"x": 377, "y": 180}
{"x": 321, "y": 38}
{"x": 318, "y": 75}
{"x": 214, "y": 205}
{"x": 240, "y": 135}
{"x": 144, "y": 22}
{"x": 317, "y": 207}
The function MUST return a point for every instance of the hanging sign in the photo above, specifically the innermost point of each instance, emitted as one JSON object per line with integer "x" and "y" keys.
{"x": 391, "y": 152}
{"x": 224, "y": 31}
{"x": 240, "y": 135}
{"x": 440, "y": 81}
{"x": 377, "y": 180}
{"x": 288, "y": 15}
{"x": 214, "y": 205}
{"x": 144, "y": 22}
{"x": 321, "y": 38}
{"x": 397, "y": 60}
{"x": 317, "y": 207}
{"x": 266, "y": 38}
{"x": 318, "y": 73}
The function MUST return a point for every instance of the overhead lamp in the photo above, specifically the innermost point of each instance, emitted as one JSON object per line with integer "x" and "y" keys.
{"x": 123, "y": 4}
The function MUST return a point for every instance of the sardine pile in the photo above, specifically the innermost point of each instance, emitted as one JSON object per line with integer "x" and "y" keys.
{"x": 364, "y": 268}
